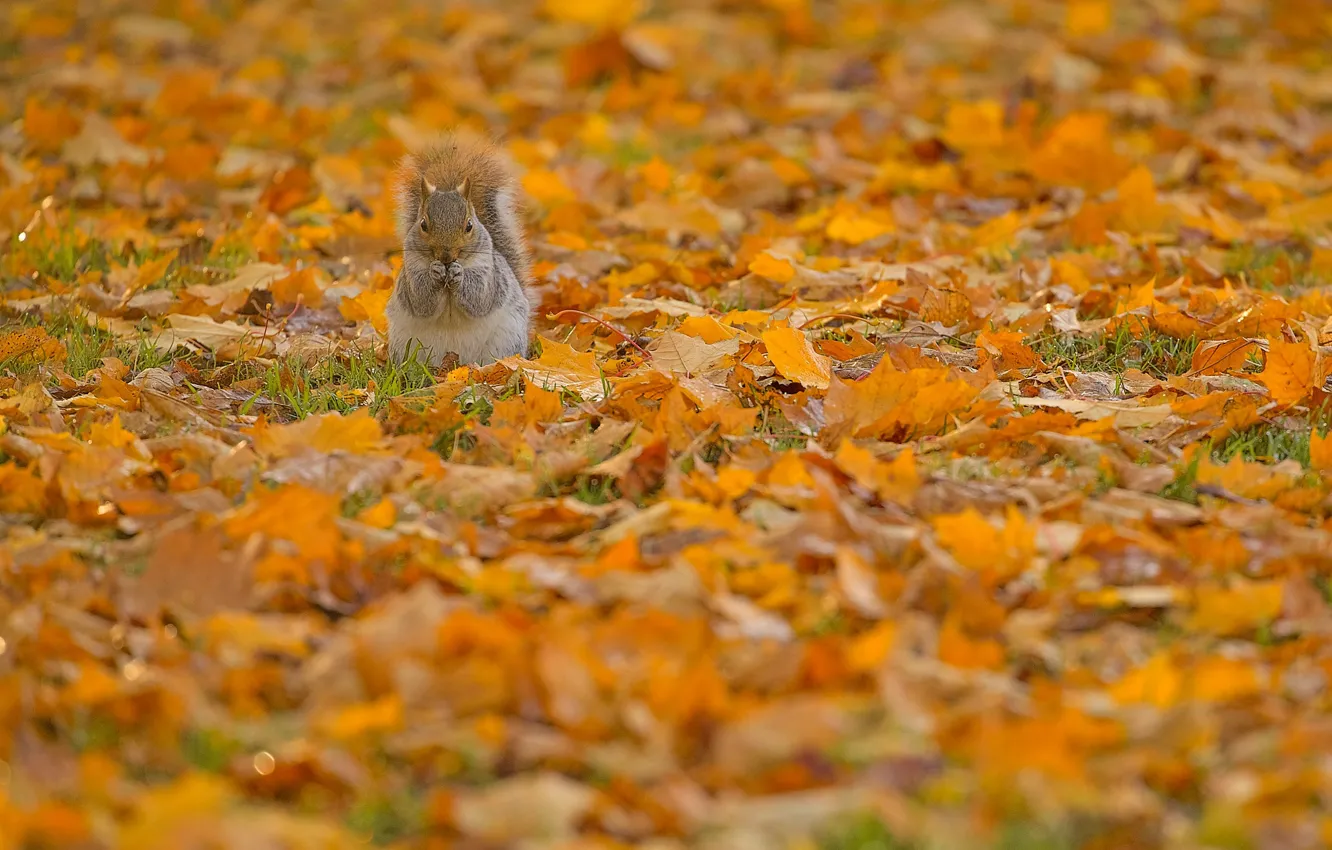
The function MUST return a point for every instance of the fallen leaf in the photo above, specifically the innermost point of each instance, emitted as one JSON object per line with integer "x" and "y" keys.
{"x": 795, "y": 359}
{"x": 532, "y": 807}
{"x": 1288, "y": 372}
{"x": 773, "y": 268}
{"x": 1238, "y": 609}
{"x": 229, "y": 340}
{"x": 561, "y": 367}
{"x": 1218, "y": 357}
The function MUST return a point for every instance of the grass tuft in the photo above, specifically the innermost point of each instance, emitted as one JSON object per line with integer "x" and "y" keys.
{"x": 1131, "y": 346}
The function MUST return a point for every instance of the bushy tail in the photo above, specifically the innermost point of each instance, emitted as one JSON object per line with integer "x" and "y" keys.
{"x": 494, "y": 191}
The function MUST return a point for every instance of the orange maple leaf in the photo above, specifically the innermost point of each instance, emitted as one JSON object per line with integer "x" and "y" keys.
{"x": 1289, "y": 372}
{"x": 1218, "y": 357}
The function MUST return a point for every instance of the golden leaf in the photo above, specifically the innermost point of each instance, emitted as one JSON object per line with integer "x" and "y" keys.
{"x": 854, "y": 228}
{"x": 1320, "y": 451}
{"x": 357, "y": 721}
{"x": 773, "y": 268}
{"x": 1157, "y": 682}
{"x": 603, "y": 14}
{"x": 795, "y": 359}
{"x": 1218, "y": 357}
{"x": 367, "y": 306}
{"x": 1236, "y": 610}
{"x": 562, "y": 367}
{"x": 1288, "y": 372}
{"x": 1087, "y": 17}
{"x": 547, "y": 186}
{"x": 301, "y": 287}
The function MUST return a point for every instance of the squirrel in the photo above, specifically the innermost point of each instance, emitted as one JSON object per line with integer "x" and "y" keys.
{"x": 463, "y": 285}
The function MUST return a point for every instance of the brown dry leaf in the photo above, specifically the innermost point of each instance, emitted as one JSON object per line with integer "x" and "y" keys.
{"x": 228, "y": 340}
{"x": 1125, "y": 414}
{"x": 533, "y": 807}
{"x": 99, "y": 142}
{"x": 191, "y": 571}
{"x": 678, "y": 353}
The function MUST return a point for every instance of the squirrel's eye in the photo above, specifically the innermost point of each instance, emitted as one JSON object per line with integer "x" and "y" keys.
{"x": 425, "y": 226}
{"x": 469, "y": 225}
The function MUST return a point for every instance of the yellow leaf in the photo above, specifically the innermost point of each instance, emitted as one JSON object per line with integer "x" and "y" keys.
{"x": 891, "y": 402}
{"x": 969, "y": 126}
{"x": 705, "y": 328}
{"x": 370, "y": 718}
{"x": 1236, "y": 610}
{"x": 959, "y": 649}
{"x": 1139, "y": 211}
{"x": 368, "y": 306}
{"x": 561, "y": 366}
{"x": 306, "y": 517}
{"x": 1311, "y": 214}
{"x": 1158, "y": 683}
{"x": 999, "y": 233}
{"x": 357, "y": 433}
{"x": 1288, "y": 373}
{"x": 603, "y": 14}
{"x": 110, "y": 434}
{"x": 998, "y": 554}
{"x": 789, "y": 472}
{"x": 18, "y": 343}
{"x": 1320, "y": 451}
{"x": 795, "y": 359}
{"x": 161, "y": 810}
{"x": 1244, "y": 478}
{"x": 381, "y": 514}
{"x": 868, "y": 651}
{"x": 1078, "y": 152}
{"x": 1220, "y": 679}
{"x": 735, "y": 481}
{"x": 853, "y": 228}
{"x": 354, "y": 433}
{"x": 21, "y": 489}
{"x": 1087, "y": 17}
{"x": 1012, "y": 352}
{"x": 547, "y": 186}
{"x": 1217, "y": 357}
{"x": 858, "y": 463}
{"x": 657, "y": 174}
{"x": 773, "y": 268}
{"x": 739, "y": 318}
{"x": 149, "y": 273}
{"x": 300, "y": 287}
{"x": 898, "y": 480}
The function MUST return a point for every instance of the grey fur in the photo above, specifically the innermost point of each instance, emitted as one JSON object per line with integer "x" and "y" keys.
{"x": 446, "y": 294}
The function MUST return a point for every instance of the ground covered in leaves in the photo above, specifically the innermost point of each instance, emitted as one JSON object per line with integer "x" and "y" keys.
{"x": 924, "y": 443}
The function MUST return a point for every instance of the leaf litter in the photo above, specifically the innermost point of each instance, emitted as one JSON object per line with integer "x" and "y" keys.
{"x": 924, "y": 444}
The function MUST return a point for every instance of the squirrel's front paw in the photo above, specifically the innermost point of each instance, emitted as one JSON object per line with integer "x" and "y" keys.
{"x": 455, "y": 274}
{"x": 438, "y": 272}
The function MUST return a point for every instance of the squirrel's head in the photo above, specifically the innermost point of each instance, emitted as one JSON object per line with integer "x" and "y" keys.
{"x": 446, "y": 222}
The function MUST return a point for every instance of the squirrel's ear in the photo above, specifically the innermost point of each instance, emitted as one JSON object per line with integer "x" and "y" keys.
{"x": 427, "y": 188}
{"x": 465, "y": 188}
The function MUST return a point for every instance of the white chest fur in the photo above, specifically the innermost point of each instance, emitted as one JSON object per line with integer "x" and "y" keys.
{"x": 479, "y": 341}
